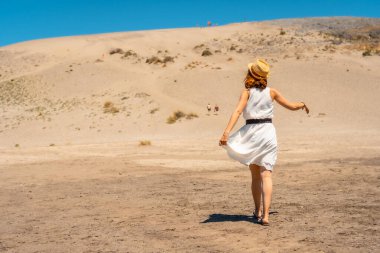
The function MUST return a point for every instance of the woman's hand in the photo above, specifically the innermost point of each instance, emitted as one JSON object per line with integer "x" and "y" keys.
{"x": 223, "y": 140}
{"x": 305, "y": 107}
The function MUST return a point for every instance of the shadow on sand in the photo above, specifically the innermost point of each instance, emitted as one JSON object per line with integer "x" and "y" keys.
{"x": 219, "y": 217}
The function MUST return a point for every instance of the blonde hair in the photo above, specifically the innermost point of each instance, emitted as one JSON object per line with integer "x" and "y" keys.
{"x": 251, "y": 82}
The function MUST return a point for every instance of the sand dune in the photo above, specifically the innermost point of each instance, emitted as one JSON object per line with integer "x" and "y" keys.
{"x": 63, "y": 83}
{"x": 74, "y": 109}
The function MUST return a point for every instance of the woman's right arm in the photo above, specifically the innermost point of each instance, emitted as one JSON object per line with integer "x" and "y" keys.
{"x": 287, "y": 104}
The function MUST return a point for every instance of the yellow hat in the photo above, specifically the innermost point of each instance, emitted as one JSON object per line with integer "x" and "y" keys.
{"x": 259, "y": 69}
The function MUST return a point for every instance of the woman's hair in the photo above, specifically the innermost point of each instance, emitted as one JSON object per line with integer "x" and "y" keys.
{"x": 251, "y": 82}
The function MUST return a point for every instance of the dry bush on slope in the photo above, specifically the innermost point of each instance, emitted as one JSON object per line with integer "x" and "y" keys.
{"x": 109, "y": 107}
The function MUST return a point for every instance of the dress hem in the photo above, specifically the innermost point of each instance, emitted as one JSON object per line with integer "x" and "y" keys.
{"x": 267, "y": 166}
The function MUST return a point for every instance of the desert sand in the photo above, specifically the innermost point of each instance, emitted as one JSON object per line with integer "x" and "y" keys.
{"x": 75, "y": 112}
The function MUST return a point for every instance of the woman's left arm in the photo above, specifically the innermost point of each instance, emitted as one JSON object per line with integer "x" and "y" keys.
{"x": 235, "y": 116}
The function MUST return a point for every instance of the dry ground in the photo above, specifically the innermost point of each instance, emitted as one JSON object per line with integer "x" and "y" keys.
{"x": 178, "y": 197}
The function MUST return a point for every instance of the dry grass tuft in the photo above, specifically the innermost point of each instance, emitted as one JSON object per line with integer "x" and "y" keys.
{"x": 157, "y": 60}
{"x": 206, "y": 52}
{"x": 107, "y": 104}
{"x": 171, "y": 120}
{"x": 109, "y": 107}
{"x": 141, "y": 95}
{"x": 154, "y": 60}
{"x": 116, "y": 51}
{"x": 176, "y": 116}
{"x": 191, "y": 115}
{"x": 130, "y": 53}
{"x": 168, "y": 59}
{"x": 179, "y": 115}
{"x": 145, "y": 143}
{"x": 199, "y": 46}
{"x": 154, "y": 110}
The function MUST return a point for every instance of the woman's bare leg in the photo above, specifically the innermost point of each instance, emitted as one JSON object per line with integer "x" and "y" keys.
{"x": 266, "y": 178}
{"x": 256, "y": 188}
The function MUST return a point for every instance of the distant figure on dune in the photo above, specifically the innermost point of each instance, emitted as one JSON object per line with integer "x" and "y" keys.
{"x": 216, "y": 108}
{"x": 208, "y": 107}
{"x": 255, "y": 144}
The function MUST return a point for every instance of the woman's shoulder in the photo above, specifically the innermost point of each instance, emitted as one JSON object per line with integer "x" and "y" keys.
{"x": 271, "y": 89}
{"x": 273, "y": 92}
{"x": 245, "y": 93}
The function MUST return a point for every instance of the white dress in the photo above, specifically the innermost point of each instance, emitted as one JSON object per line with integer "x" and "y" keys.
{"x": 255, "y": 143}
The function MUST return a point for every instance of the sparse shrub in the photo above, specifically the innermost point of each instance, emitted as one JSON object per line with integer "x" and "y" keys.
{"x": 107, "y": 104}
{"x": 168, "y": 59}
{"x": 282, "y": 32}
{"x": 116, "y": 51}
{"x": 157, "y": 60}
{"x": 17, "y": 145}
{"x": 98, "y": 60}
{"x": 179, "y": 114}
{"x": 191, "y": 115}
{"x": 367, "y": 53}
{"x": 154, "y": 60}
{"x": 199, "y": 46}
{"x": 154, "y": 110}
{"x": 52, "y": 145}
{"x": 109, "y": 107}
{"x": 206, "y": 52}
{"x": 171, "y": 120}
{"x": 129, "y": 53}
{"x": 145, "y": 143}
{"x": 141, "y": 95}
{"x": 176, "y": 116}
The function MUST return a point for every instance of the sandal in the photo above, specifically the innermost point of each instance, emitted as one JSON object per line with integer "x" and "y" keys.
{"x": 257, "y": 218}
{"x": 264, "y": 223}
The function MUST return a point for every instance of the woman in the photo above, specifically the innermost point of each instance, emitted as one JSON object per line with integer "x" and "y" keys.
{"x": 255, "y": 144}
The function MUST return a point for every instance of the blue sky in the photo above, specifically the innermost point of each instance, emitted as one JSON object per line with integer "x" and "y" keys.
{"x": 22, "y": 20}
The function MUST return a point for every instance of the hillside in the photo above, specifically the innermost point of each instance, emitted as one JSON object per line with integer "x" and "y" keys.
{"x": 54, "y": 91}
